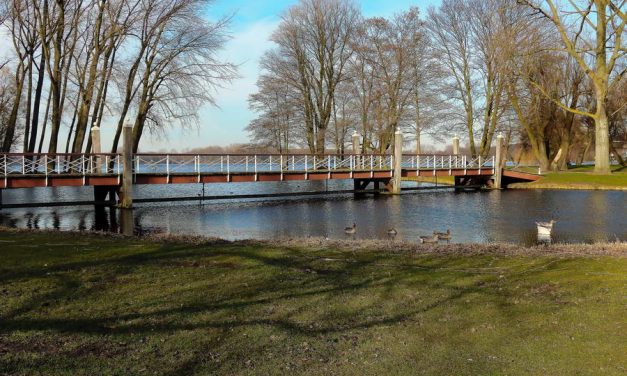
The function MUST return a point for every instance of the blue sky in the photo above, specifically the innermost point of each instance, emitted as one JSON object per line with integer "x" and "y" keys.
{"x": 252, "y": 24}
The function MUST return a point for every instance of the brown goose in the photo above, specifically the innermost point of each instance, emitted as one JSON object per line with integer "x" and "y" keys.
{"x": 429, "y": 239}
{"x": 351, "y": 230}
{"x": 443, "y": 235}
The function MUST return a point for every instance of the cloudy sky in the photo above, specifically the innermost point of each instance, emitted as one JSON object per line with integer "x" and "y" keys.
{"x": 252, "y": 23}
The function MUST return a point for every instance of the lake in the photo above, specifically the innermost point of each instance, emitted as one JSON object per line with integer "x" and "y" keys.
{"x": 479, "y": 217}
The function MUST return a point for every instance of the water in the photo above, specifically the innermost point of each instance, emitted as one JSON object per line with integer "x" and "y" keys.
{"x": 497, "y": 216}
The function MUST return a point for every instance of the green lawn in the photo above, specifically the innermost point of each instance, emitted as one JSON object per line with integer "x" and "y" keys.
{"x": 82, "y": 304}
{"x": 444, "y": 180}
{"x": 580, "y": 177}
{"x": 615, "y": 179}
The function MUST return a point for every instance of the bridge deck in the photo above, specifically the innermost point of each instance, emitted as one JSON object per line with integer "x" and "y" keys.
{"x": 42, "y": 170}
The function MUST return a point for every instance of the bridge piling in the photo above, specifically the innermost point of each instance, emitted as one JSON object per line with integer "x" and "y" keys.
{"x": 398, "y": 158}
{"x": 126, "y": 191}
{"x": 498, "y": 162}
{"x": 96, "y": 148}
{"x": 455, "y": 145}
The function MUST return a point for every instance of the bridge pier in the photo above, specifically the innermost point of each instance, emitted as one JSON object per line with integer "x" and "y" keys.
{"x": 126, "y": 191}
{"x": 362, "y": 184}
{"x": 398, "y": 159}
{"x": 498, "y": 162}
{"x": 105, "y": 194}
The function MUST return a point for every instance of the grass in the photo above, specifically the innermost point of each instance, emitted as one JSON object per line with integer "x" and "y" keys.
{"x": 443, "y": 180}
{"x": 84, "y": 304}
{"x": 578, "y": 177}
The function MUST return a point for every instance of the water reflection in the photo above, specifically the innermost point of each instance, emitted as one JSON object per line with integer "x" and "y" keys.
{"x": 498, "y": 216}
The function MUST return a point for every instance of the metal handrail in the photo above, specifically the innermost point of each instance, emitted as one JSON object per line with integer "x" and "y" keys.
{"x": 151, "y": 163}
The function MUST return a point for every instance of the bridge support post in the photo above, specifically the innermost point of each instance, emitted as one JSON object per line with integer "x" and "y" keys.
{"x": 126, "y": 191}
{"x": 96, "y": 148}
{"x": 455, "y": 145}
{"x": 356, "y": 147}
{"x": 398, "y": 158}
{"x": 498, "y": 162}
{"x": 127, "y": 222}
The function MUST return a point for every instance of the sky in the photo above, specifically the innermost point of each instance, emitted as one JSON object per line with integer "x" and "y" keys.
{"x": 253, "y": 21}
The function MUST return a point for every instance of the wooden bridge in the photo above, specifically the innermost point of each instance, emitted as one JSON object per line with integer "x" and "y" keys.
{"x": 106, "y": 172}
{"x": 114, "y": 175}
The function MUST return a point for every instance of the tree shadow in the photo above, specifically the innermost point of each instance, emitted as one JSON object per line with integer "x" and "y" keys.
{"x": 298, "y": 281}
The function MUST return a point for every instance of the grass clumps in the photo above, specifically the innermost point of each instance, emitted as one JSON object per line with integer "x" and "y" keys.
{"x": 85, "y": 304}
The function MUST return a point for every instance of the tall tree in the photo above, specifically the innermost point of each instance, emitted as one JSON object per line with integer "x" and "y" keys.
{"x": 596, "y": 44}
{"x": 314, "y": 36}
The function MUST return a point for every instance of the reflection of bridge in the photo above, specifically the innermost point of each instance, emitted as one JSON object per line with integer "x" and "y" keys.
{"x": 106, "y": 172}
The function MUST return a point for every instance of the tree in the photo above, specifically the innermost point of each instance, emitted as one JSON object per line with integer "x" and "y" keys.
{"x": 596, "y": 44}
{"x": 180, "y": 70}
{"x": 278, "y": 106}
{"x": 314, "y": 38}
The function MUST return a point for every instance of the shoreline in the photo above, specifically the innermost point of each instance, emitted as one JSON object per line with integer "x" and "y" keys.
{"x": 565, "y": 187}
{"x": 613, "y": 249}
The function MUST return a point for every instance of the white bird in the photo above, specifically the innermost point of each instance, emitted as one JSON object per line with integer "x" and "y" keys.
{"x": 392, "y": 232}
{"x": 545, "y": 228}
{"x": 351, "y": 230}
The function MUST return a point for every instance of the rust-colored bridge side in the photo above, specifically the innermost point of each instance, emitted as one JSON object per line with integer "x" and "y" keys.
{"x": 106, "y": 172}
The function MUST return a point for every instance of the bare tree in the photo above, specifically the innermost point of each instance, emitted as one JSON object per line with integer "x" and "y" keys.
{"x": 595, "y": 43}
{"x": 314, "y": 37}
{"x": 180, "y": 71}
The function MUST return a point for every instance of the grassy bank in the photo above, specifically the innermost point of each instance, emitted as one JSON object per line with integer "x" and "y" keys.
{"x": 85, "y": 304}
{"x": 440, "y": 180}
{"x": 578, "y": 178}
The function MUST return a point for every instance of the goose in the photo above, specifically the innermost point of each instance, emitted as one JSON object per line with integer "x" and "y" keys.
{"x": 545, "y": 228}
{"x": 443, "y": 235}
{"x": 429, "y": 239}
{"x": 351, "y": 230}
{"x": 392, "y": 231}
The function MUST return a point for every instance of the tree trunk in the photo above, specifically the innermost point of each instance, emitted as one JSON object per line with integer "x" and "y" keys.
{"x": 37, "y": 101}
{"x": 29, "y": 101}
{"x": 601, "y": 139}
{"x": 55, "y": 79}
{"x": 320, "y": 137}
{"x": 43, "y": 128}
{"x": 12, "y": 122}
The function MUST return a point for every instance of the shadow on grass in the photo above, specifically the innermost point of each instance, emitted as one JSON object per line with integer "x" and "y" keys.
{"x": 316, "y": 297}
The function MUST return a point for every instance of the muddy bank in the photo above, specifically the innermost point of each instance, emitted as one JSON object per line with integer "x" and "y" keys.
{"x": 614, "y": 249}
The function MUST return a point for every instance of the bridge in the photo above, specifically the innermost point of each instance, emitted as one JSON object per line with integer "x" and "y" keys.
{"x": 114, "y": 175}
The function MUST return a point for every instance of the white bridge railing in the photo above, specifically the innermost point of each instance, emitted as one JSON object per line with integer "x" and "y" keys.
{"x": 166, "y": 164}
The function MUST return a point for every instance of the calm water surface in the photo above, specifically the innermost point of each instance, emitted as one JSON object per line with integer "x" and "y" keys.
{"x": 503, "y": 216}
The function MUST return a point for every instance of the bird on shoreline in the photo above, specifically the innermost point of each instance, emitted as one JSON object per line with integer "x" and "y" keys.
{"x": 392, "y": 232}
{"x": 351, "y": 230}
{"x": 545, "y": 228}
{"x": 429, "y": 239}
{"x": 443, "y": 235}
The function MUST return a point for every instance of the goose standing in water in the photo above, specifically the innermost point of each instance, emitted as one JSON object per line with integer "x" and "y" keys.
{"x": 392, "y": 232}
{"x": 351, "y": 230}
{"x": 429, "y": 239}
{"x": 443, "y": 235}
